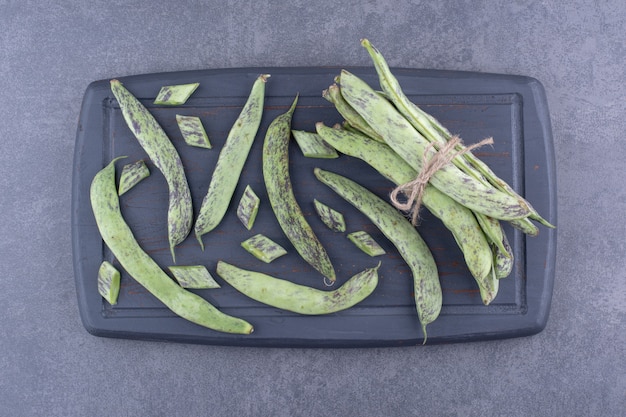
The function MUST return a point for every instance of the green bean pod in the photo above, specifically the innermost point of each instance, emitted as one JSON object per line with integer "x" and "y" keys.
{"x": 231, "y": 161}
{"x": 131, "y": 175}
{"x": 407, "y": 142}
{"x": 282, "y": 199}
{"x": 504, "y": 260}
{"x": 457, "y": 218}
{"x": 493, "y": 230}
{"x": 163, "y": 154}
{"x": 121, "y": 241}
{"x": 410, "y": 245}
{"x": 297, "y": 298}
{"x": 351, "y": 116}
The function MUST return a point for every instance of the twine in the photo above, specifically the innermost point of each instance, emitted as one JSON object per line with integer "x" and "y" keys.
{"x": 414, "y": 190}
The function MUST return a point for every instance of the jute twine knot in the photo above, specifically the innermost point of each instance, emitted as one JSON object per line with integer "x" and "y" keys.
{"x": 414, "y": 190}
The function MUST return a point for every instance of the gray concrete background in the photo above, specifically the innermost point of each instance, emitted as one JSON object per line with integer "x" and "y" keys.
{"x": 49, "y": 365}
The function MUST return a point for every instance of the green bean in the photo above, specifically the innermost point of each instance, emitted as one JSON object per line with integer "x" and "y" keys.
{"x": 194, "y": 277}
{"x": 435, "y": 132}
{"x": 163, "y": 154}
{"x": 282, "y": 199}
{"x": 131, "y": 175}
{"x": 489, "y": 287}
{"x": 312, "y": 146}
{"x": 402, "y": 137}
{"x": 526, "y": 226}
{"x": 352, "y": 117}
{"x": 121, "y": 241}
{"x": 331, "y": 218}
{"x": 108, "y": 282}
{"x": 193, "y": 131}
{"x": 410, "y": 245}
{"x": 175, "y": 95}
{"x": 231, "y": 161}
{"x": 297, "y": 298}
{"x": 457, "y": 218}
{"x": 366, "y": 243}
{"x": 493, "y": 230}
{"x": 504, "y": 260}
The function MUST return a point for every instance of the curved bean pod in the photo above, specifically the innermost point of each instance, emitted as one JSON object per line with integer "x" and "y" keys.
{"x": 121, "y": 241}
{"x": 410, "y": 245}
{"x": 231, "y": 161}
{"x": 282, "y": 199}
{"x": 504, "y": 261}
{"x": 354, "y": 119}
{"x": 402, "y": 137}
{"x": 300, "y": 299}
{"x": 163, "y": 154}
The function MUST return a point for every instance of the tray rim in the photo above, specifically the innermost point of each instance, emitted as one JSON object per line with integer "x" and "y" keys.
{"x": 97, "y": 327}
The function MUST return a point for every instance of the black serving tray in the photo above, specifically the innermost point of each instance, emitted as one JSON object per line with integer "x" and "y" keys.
{"x": 511, "y": 109}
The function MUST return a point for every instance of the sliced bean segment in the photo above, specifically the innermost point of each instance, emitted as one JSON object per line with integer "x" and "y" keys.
{"x": 282, "y": 199}
{"x": 163, "y": 154}
{"x": 504, "y": 260}
{"x": 297, "y": 298}
{"x": 353, "y": 118}
{"x": 131, "y": 175}
{"x": 312, "y": 146}
{"x": 121, "y": 241}
{"x": 366, "y": 243}
{"x": 330, "y": 217}
{"x": 175, "y": 95}
{"x": 230, "y": 162}
{"x": 108, "y": 282}
{"x": 410, "y": 245}
{"x": 193, "y": 132}
{"x": 248, "y": 207}
{"x": 195, "y": 277}
{"x": 263, "y": 248}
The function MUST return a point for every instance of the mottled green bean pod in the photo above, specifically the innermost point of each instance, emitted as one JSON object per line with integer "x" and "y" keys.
{"x": 366, "y": 243}
{"x": 120, "y": 240}
{"x": 282, "y": 199}
{"x": 163, "y": 154}
{"x": 410, "y": 245}
{"x": 353, "y": 118}
{"x": 504, "y": 260}
{"x": 312, "y": 146}
{"x": 297, "y": 298}
{"x": 131, "y": 175}
{"x": 175, "y": 95}
{"x": 231, "y": 161}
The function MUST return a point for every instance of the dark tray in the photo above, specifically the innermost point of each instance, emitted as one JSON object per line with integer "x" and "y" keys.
{"x": 511, "y": 109}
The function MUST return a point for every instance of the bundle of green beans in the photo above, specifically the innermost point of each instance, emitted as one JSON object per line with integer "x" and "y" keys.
{"x": 392, "y": 134}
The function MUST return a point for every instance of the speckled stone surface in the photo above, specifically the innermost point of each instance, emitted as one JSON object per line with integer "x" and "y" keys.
{"x": 51, "y": 366}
